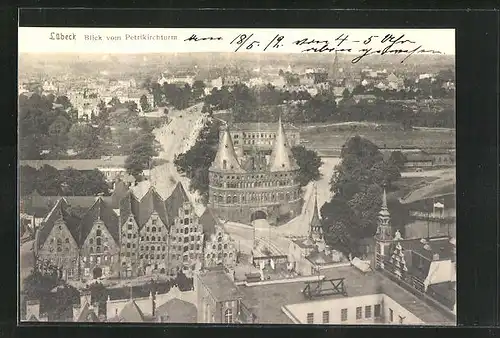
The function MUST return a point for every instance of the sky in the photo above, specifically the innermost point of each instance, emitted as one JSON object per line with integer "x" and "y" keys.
{"x": 240, "y": 40}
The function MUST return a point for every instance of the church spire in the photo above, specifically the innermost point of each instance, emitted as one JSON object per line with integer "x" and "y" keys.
{"x": 384, "y": 218}
{"x": 315, "y": 229}
{"x": 281, "y": 155}
{"x": 226, "y": 159}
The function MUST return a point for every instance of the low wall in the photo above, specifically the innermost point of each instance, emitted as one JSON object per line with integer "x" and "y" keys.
{"x": 284, "y": 281}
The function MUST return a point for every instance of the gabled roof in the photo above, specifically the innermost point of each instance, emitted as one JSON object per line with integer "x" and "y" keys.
{"x": 99, "y": 211}
{"x": 131, "y": 313}
{"x": 129, "y": 205}
{"x": 281, "y": 156}
{"x": 87, "y": 315}
{"x": 178, "y": 311}
{"x": 119, "y": 192}
{"x": 175, "y": 201}
{"x": 32, "y": 318}
{"x": 209, "y": 221}
{"x": 438, "y": 188}
{"x": 58, "y": 212}
{"x": 151, "y": 202}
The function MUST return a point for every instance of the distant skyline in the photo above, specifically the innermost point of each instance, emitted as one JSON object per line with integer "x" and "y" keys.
{"x": 138, "y": 40}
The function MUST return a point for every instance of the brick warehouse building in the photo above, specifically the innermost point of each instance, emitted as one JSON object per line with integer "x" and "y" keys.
{"x": 253, "y": 184}
{"x": 132, "y": 238}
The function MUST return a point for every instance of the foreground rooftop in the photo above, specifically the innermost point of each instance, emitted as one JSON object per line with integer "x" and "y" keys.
{"x": 266, "y": 300}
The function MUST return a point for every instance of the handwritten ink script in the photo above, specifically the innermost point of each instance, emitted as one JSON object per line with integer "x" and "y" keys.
{"x": 392, "y": 44}
{"x": 396, "y": 44}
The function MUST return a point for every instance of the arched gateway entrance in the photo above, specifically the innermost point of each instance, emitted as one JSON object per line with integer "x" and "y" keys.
{"x": 259, "y": 214}
{"x": 97, "y": 272}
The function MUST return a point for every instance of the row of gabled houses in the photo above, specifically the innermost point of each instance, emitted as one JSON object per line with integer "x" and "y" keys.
{"x": 123, "y": 236}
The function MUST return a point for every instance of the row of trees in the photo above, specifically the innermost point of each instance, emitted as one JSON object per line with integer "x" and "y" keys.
{"x": 99, "y": 293}
{"x": 56, "y": 297}
{"x": 267, "y": 103}
{"x": 197, "y": 160}
{"x": 180, "y": 97}
{"x": 49, "y": 181}
{"x": 357, "y": 184}
{"x": 43, "y": 127}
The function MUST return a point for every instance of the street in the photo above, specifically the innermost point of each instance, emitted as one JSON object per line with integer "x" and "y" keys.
{"x": 175, "y": 138}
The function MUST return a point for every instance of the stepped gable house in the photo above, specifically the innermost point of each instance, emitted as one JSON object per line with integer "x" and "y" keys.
{"x": 133, "y": 238}
{"x": 254, "y": 185}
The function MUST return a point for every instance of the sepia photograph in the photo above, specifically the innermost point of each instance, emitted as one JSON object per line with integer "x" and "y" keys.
{"x": 237, "y": 176}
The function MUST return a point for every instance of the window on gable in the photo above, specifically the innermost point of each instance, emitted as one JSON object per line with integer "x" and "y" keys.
{"x": 98, "y": 233}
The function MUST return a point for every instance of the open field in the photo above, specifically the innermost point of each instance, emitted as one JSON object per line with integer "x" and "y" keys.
{"x": 333, "y": 136}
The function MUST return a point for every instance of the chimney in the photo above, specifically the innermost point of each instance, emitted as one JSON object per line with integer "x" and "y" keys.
{"x": 85, "y": 297}
{"x": 427, "y": 247}
{"x": 435, "y": 257}
{"x": 32, "y": 308}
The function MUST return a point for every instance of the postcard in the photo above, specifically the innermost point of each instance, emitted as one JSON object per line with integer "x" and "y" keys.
{"x": 237, "y": 176}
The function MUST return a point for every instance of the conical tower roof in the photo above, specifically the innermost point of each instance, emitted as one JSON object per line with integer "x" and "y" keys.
{"x": 226, "y": 159}
{"x": 315, "y": 220}
{"x": 281, "y": 155}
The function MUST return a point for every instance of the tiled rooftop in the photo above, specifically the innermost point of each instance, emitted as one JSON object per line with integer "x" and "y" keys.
{"x": 266, "y": 300}
{"x": 221, "y": 287}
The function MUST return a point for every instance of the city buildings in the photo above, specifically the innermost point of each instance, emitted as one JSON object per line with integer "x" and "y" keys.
{"x": 417, "y": 264}
{"x": 113, "y": 167}
{"x": 123, "y": 236}
{"x": 245, "y": 188}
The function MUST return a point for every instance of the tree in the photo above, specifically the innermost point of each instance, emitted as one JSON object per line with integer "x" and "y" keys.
{"x": 48, "y": 181}
{"x": 346, "y": 94}
{"x": 195, "y": 162}
{"x": 198, "y": 89}
{"x": 83, "y": 183}
{"x": 83, "y": 138}
{"x": 64, "y": 101}
{"x": 142, "y": 153}
{"x": 309, "y": 163}
{"x": 114, "y": 101}
{"x": 144, "y": 103}
{"x": 99, "y": 295}
{"x": 27, "y": 178}
{"x": 357, "y": 186}
{"x": 398, "y": 158}
{"x": 37, "y": 285}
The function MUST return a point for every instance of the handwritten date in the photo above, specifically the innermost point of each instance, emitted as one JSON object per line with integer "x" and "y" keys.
{"x": 246, "y": 40}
